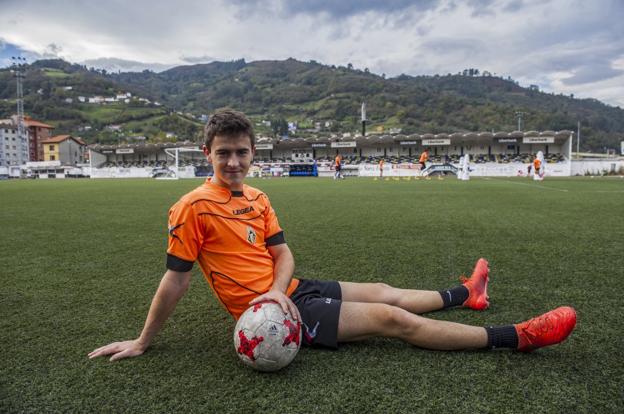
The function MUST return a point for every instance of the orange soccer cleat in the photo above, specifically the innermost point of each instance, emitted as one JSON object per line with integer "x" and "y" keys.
{"x": 477, "y": 286}
{"x": 547, "y": 329}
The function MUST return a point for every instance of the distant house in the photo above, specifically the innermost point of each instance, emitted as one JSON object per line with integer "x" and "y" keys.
{"x": 82, "y": 98}
{"x": 37, "y": 132}
{"x": 69, "y": 100}
{"x": 67, "y": 149}
{"x": 13, "y": 151}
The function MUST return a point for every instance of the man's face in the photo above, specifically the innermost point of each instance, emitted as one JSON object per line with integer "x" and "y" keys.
{"x": 230, "y": 159}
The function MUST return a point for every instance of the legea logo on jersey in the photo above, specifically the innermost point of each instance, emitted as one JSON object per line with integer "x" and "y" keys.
{"x": 171, "y": 229}
{"x": 251, "y": 235}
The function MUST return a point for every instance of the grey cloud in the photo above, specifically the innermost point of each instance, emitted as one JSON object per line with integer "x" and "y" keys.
{"x": 348, "y": 8}
{"x": 481, "y": 8}
{"x": 198, "y": 59}
{"x": 335, "y": 9}
{"x": 52, "y": 51}
{"x": 449, "y": 46}
{"x": 115, "y": 65}
{"x": 513, "y": 6}
{"x": 592, "y": 73}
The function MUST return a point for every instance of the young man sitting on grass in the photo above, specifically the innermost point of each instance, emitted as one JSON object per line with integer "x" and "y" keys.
{"x": 232, "y": 231}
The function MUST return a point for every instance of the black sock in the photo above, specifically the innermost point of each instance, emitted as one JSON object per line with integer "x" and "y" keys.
{"x": 502, "y": 337}
{"x": 454, "y": 296}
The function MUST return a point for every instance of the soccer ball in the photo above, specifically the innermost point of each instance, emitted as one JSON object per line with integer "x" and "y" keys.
{"x": 265, "y": 338}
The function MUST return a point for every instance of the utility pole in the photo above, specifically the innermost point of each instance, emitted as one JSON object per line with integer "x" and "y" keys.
{"x": 363, "y": 119}
{"x": 519, "y": 115}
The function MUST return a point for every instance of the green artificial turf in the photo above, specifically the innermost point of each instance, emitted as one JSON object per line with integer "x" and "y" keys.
{"x": 81, "y": 260}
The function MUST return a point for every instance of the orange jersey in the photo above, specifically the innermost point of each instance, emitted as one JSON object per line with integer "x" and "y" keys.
{"x": 228, "y": 234}
{"x": 424, "y": 157}
{"x": 537, "y": 164}
{"x": 338, "y": 160}
{"x": 381, "y": 164}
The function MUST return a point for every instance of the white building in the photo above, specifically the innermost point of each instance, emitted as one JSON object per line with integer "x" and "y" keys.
{"x": 13, "y": 149}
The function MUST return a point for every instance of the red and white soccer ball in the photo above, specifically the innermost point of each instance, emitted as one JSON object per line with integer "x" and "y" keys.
{"x": 265, "y": 338}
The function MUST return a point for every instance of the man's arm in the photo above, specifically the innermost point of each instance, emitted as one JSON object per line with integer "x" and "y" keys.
{"x": 283, "y": 270}
{"x": 172, "y": 287}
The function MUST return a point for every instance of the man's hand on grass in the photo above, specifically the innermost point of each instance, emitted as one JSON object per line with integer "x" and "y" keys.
{"x": 119, "y": 350}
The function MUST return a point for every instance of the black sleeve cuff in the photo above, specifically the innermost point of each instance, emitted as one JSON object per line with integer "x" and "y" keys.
{"x": 277, "y": 238}
{"x": 177, "y": 264}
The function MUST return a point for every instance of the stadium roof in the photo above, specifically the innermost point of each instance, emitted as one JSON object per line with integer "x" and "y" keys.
{"x": 372, "y": 139}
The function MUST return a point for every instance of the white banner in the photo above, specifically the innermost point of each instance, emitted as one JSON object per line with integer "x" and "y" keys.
{"x": 507, "y": 140}
{"x": 440, "y": 141}
{"x": 344, "y": 144}
{"x": 408, "y": 143}
{"x": 538, "y": 140}
{"x": 319, "y": 145}
{"x": 264, "y": 146}
{"x": 124, "y": 151}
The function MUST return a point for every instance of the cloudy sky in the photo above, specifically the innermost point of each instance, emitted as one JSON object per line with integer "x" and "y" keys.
{"x": 564, "y": 46}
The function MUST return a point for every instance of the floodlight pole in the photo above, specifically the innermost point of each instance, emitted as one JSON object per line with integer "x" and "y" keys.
{"x": 18, "y": 63}
{"x": 519, "y": 115}
{"x": 363, "y": 119}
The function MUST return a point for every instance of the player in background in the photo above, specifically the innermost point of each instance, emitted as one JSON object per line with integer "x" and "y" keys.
{"x": 338, "y": 167}
{"x": 537, "y": 168}
{"x": 424, "y": 157}
{"x": 232, "y": 231}
{"x": 381, "y": 167}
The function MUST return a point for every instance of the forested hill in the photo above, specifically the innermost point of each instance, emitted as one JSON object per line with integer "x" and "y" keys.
{"x": 309, "y": 93}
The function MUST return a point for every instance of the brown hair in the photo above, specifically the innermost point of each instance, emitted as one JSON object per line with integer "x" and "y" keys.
{"x": 228, "y": 123}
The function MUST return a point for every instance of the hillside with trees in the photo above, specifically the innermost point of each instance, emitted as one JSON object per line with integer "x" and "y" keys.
{"x": 319, "y": 99}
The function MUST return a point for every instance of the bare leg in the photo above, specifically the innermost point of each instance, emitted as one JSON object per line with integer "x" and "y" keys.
{"x": 415, "y": 301}
{"x": 364, "y": 320}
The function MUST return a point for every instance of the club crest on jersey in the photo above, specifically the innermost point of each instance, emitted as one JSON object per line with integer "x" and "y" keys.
{"x": 251, "y": 235}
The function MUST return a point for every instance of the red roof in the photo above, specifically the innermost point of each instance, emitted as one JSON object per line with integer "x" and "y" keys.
{"x": 32, "y": 123}
{"x": 60, "y": 138}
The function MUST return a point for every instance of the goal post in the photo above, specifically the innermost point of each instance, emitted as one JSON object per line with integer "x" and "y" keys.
{"x": 179, "y": 155}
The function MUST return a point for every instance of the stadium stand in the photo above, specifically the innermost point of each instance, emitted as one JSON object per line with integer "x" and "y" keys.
{"x": 500, "y": 153}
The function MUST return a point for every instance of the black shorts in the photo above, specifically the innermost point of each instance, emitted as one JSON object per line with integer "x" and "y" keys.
{"x": 319, "y": 303}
